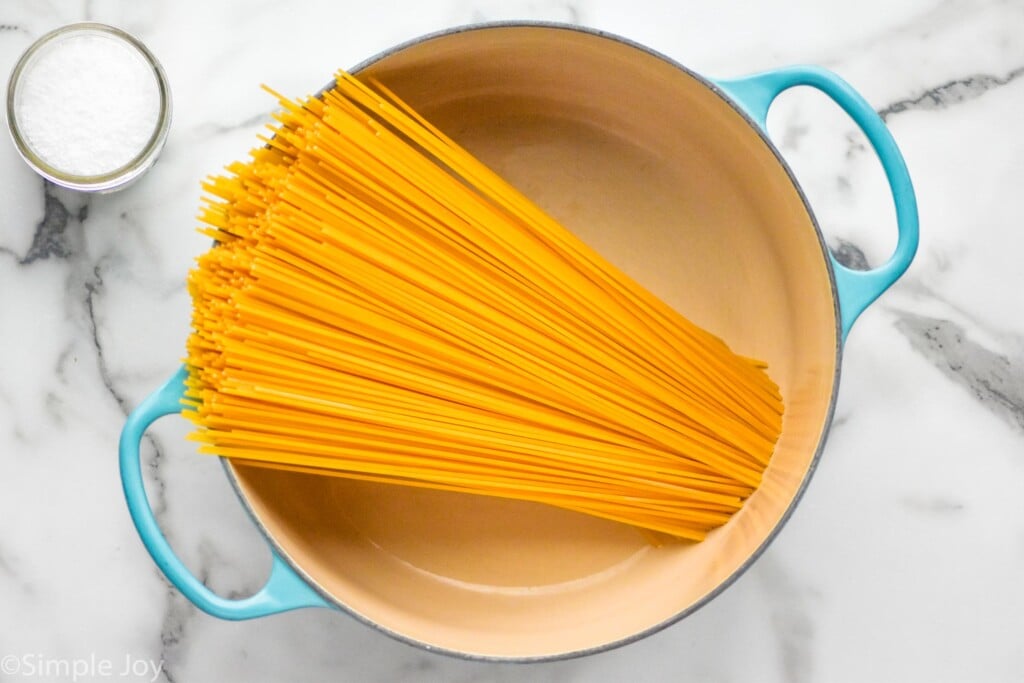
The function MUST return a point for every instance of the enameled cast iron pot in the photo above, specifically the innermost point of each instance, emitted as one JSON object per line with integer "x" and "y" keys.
{"x": 673, "y": 178}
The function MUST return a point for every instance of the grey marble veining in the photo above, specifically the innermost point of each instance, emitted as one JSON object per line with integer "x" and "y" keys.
{"x": 52, "y": 237}
{"x": 849, "y": 255}
{"x": 178, "y": 612}
{"x": 902, "y": 562}
{"x": 951, "y": 92}
{"x": 994, "y": 379}
{"x": 933, "y": 506}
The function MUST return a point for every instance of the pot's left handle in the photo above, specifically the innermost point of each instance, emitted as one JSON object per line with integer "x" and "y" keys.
{"x": 856, "y": 289}
{"x": 285, "y": 590}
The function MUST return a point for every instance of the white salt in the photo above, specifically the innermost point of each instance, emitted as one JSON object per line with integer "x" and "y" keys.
{"x": 88, "y": 104}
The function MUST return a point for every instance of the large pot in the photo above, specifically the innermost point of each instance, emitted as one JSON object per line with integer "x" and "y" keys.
{"x": 673, "y": 178}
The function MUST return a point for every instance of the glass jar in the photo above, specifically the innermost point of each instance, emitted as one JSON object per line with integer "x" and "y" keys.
{"x": 88, "y": 107}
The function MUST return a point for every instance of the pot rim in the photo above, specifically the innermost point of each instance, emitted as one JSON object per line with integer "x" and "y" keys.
{"x": 812, "y": 467}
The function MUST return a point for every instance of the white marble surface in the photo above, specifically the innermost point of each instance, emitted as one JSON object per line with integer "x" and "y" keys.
{"x": 904, "y": 560}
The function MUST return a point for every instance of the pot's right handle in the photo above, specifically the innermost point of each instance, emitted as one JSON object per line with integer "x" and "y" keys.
{"x": 856, "y": 288}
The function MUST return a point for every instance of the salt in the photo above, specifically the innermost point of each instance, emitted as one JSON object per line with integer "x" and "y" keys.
{"x": 88, "y": 104}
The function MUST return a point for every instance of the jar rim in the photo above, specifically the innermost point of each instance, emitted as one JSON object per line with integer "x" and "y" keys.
{"x": 117, "y": 177}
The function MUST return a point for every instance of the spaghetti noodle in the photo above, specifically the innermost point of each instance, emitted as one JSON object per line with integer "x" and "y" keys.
{"x": 381, "y": 306}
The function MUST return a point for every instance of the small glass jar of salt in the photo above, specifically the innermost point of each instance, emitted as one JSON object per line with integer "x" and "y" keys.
{"x": 88, "y": 107}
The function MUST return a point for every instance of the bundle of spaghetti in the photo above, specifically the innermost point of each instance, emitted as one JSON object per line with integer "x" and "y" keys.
{"x": 380, "y": 305}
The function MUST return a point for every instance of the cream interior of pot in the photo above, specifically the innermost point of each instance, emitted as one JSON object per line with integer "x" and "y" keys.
{"x": 672, "y": 185}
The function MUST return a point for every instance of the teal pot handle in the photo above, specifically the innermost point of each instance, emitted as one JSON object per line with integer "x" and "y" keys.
{"x": 285, "y": 590}
{"x": 856, "y": 289}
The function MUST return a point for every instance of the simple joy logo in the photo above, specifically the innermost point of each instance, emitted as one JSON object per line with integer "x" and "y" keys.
{"x": 75, "y": 669}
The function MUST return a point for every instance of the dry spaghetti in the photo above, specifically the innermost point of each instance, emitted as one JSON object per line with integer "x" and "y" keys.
{"x": 381, "y": 306}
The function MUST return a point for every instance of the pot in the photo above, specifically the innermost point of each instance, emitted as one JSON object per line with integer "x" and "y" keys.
{"x": 673, "y": 178}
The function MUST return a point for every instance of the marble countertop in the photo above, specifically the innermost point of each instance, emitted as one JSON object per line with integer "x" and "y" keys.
{"x": 903, "y": 561}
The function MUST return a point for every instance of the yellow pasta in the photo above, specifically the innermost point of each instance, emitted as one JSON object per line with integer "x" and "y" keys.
{"x": 379, "y": 305}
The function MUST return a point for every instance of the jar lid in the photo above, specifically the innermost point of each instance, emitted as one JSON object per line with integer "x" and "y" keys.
{"x": 88, "y": 107}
